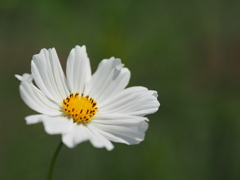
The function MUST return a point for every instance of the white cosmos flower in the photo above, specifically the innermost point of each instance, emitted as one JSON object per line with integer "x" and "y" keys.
{"x": 81, "y": 106}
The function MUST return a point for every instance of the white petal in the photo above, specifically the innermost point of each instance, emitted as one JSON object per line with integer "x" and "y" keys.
{"x": 57, "y": 125}
{"x": 33, "y": 119}
{"x": 121, "y": 128}
{"x": 52, "y": 125}
{"x": 24, "y": 77}
{"x": 18, "y": 77}
{"x": 58, "y": 74}
{"x": 77, "y": 135}
{"x": 78, "y": 69}
{"x": 48, "y": 74}
{"x": 82, "y": 133}
{"x": 109, "y": 79}
{"x": 35, "y": 99}
{"x": 97, "y": 139}
{"x": 137, "y": 101}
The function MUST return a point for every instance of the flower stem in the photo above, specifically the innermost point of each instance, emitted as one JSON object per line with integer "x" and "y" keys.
{"x": 50, "y": 171}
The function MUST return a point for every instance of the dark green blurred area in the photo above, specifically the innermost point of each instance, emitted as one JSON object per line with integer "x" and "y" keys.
{"x": 186, "y": 50}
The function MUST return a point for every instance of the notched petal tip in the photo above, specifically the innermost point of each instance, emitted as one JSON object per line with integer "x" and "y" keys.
{"x": 83, "y": 47}
{"x": 146, "y": 119}
{"x": 81, "y": 51}
{"x": 42, "y": 54}
{"x": 69, "y": 145}
{"x": 25, "y": 77}
{"x": 155, "y": 94}
{"x": 42, "y": 51}
{"x": 18, "y": 77}
{"x": 33, "y": 119}
{"x": 117, "y": 63}
{"x": 110, "y": 148}
{"x": 36, "y": 57}
{"x": 52, "y": 51}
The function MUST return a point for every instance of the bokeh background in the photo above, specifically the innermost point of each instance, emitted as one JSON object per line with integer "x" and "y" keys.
{"x": 186, "y": 50}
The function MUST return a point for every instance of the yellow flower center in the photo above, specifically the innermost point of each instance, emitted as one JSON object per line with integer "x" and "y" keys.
{"x": 79, "y": 107}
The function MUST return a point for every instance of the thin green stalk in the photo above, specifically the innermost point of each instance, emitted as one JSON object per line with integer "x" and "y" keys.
{"x": 50, "y": 171}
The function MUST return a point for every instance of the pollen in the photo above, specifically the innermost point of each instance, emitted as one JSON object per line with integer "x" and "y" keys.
{"x": 79, "y": 107}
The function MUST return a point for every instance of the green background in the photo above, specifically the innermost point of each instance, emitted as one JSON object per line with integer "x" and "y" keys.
{"x": 189, "y": 51}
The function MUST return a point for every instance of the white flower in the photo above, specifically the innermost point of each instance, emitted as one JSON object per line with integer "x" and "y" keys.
{"x": 81, "y": 106}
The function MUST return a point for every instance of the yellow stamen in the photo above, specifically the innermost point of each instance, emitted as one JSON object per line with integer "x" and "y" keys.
{"x": 79, "y": 107}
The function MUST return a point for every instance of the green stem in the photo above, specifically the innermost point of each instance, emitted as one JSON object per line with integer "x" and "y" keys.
{"x": 50, "y": 171}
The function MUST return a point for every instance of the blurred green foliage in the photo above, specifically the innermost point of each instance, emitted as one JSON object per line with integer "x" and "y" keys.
{"x": 186, "y": 50}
